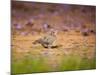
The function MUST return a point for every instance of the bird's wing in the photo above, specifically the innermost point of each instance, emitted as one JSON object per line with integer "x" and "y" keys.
{"x": 49, "y": 39}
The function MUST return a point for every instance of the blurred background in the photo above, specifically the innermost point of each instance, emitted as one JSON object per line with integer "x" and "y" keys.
{"x": 35, "y": 17}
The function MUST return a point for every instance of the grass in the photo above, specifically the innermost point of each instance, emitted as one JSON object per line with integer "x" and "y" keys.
{"x": 72, "y": 63}
{"x": 29, "y": 65}
{"x": 37, "y": 64}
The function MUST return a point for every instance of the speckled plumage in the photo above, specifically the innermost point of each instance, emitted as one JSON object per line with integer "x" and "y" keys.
{"x": 48, "y": 40}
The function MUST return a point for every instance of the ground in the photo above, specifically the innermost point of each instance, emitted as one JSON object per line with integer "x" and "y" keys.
{"x": 78, "y": 49}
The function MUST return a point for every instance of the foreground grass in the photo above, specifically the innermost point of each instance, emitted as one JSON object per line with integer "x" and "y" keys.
{"x": 37, "y": 64}
{"x": 29, "y": 65}
{"x": 72, "y": 63}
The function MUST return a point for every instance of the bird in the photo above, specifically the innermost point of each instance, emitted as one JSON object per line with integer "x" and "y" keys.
{"x": 48, "y": 40}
